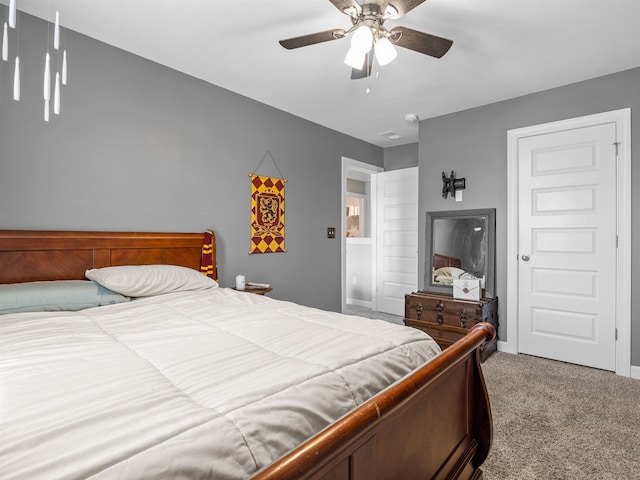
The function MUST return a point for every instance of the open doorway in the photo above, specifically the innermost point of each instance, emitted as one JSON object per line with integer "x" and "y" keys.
{"x": 379, "y": 239}
{"x": 358, "y": 234}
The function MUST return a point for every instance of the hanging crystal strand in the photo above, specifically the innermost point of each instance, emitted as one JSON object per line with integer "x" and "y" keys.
{"x": 16, "y": 81}
{"x": 56, "y": 45}
{"x": 16, "y": 72}
{"x": 46, "y": 91}
{"x": 47, "y": 78}
{"x": 64, "y": 67}
{"x": 12, "y": 13}
{"x": 56, "y": 32}
{"x": 64, "y": 58}
{"x": 5, "y": 43}
{"x": 46, "y": 83}
{"x": 56, "y": 95}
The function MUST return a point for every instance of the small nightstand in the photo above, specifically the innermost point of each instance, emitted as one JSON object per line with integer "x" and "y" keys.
{"x": 255, "y": 290}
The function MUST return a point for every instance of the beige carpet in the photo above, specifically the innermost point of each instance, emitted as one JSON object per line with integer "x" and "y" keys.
{"x": 554, "y": 420}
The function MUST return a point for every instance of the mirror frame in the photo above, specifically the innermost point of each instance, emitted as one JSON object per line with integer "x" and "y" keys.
{"x": 490, "y": 280}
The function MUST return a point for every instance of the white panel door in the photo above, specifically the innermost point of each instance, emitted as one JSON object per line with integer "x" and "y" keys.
{"x": 567, "y": 250}
{"x": 397, "y": 238}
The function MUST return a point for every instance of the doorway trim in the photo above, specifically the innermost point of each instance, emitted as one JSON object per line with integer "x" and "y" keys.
{"x": 348, "y": 166}
{"x": 622, "y": 310}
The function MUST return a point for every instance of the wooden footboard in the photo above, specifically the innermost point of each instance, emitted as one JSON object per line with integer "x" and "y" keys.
{"x": 435, "y": 424}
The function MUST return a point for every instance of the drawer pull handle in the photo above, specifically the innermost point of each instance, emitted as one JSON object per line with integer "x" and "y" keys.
{"x": 439, "y": 307}
{"x": 463, "y": 318}
{"x": 419, "y": 310}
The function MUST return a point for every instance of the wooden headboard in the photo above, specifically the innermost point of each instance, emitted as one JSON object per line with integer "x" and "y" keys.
{"x": 32, "y": 255}
{"x": 444, "y": 261}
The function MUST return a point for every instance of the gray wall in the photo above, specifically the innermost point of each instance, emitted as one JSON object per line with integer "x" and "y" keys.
{"x": 474, "y": 144}
{"x": 142, "y": 147}
{"x": 401, "y": 156}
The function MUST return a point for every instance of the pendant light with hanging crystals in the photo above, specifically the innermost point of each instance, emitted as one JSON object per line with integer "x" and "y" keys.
{"x": 60, "y": 59}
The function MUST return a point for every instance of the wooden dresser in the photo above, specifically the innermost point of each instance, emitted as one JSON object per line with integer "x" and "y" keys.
{"x": 448, "y": 319}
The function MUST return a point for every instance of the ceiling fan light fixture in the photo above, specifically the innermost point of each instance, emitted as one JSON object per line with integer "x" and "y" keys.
{"x": 371, "y": 42}
{"x": 362, "y": 39}
{"x": 385, "y": 51}
{"x": 355, "y": 58}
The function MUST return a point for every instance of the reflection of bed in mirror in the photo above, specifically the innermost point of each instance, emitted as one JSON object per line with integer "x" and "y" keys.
{"x": 460, "y": 244}
{"x": 440, "y": 261}
{"x": 445, "y": 269}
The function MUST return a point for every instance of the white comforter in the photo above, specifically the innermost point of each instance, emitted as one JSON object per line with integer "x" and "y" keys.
{"x": 212, "y": 384}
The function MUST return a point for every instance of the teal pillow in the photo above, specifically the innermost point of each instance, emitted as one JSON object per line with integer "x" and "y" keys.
{"x": 59, "y": 295}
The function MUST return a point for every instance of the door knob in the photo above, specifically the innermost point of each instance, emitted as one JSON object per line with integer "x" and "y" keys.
{"x": 525, "y": 258}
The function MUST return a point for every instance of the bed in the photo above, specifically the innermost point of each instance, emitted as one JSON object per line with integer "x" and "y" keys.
{"x": 107, "y": 392}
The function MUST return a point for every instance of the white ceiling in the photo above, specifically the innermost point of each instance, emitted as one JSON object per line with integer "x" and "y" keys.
{"x": 502, "y": 49}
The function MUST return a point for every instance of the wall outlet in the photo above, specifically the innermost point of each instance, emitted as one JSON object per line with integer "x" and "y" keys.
{"x": 354, "y": 280}
{"x": 331, "y": 232}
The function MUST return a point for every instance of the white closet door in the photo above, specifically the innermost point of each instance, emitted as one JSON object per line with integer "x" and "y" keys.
{"x": 567, "y": 250}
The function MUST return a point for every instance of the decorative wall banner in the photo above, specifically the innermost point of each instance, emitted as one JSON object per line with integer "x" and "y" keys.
{"x": 267, "y": 214}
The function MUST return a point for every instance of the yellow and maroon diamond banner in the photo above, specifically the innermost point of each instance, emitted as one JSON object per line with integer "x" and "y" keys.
{"x": 267, "y": 214}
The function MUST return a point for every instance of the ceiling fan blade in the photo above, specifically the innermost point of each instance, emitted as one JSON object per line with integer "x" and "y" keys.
{"x": 402, "y": 6}
{"x": 365, "y": 71}
{"x": 348, "y": 7}
{"x": 420, "y": 41}
{"x": 311, "y": 39}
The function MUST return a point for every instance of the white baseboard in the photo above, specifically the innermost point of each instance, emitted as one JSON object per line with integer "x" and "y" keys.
{"x": 359, "y": 303}
{"x": 505, "y": 347}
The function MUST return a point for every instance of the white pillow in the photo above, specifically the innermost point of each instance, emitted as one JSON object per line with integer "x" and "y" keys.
{"x": 453, "y": 272}
{"x": 148, "y": 280}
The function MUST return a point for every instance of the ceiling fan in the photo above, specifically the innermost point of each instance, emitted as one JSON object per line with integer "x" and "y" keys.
{"x": 370, "y": 37}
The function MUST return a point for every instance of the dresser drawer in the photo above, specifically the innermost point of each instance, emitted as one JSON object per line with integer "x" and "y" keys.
{"x": 443, "y": 311}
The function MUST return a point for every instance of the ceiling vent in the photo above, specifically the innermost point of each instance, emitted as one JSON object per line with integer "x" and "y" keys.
{"x": 390, "y": 135}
